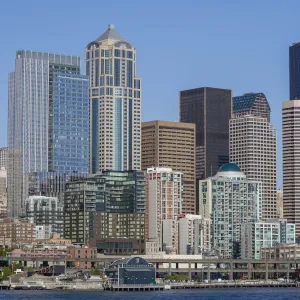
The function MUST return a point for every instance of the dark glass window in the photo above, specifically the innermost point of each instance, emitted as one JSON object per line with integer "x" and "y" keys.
{"x": 117, "y": 72}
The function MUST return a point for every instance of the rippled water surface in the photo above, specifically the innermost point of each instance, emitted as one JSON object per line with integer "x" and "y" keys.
{"x": 203, "y": 294}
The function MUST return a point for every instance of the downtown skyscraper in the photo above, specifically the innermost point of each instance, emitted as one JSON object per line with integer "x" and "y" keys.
{"x": 48, "y": 108}
{"x": 294, "y": 62}
{"x": 210, "y": 109}
{"x": 253, "y": 146}
{"x": 291, "y": 162}
{"x": 115, "y": 103}
{"x": 172, "y": 145}
{"x": 291, "y": 143}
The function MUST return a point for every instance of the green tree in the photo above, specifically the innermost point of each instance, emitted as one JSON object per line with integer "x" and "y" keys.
{"x": 95, "y": 272}
{"x": 2, "y": 252}
{"x": 177, "y": 277}
{"x": 16, "y": 266}
{"x": 6, "y": 272}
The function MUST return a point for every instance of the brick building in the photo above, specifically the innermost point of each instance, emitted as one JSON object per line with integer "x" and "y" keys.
{"x": 82, "y": 252}
{"x": 18, "y": 231}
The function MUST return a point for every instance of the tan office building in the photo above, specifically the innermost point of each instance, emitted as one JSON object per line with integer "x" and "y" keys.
{"x": 291, "y": 162}
{"x": 172, "y": 145}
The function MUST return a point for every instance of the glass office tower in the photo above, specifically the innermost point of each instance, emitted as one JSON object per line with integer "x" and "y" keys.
{"x": 294, "y": 57}
{"x": 70, "y": 123}
{"x": 210, "y": 110}
{"x": 36, "y": 106}
{"x": 115, "y": 109}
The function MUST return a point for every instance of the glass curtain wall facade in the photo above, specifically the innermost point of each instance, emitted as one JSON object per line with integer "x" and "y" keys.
{"x": 107, "y": 211}
{"x": 255, "y": 104}
{"x": 210, "y": 109}
{"x": 70, "y": 142}
{"x": 29, "y": 117}
{"x": 57, "y": 93}
{"x": 294, "y": 58}
{"x": 115, "y": 103}
{"x": 50, "y": 184}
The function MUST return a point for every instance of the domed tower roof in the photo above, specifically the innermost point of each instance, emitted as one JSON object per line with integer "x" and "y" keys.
{"x": 230, "y": 167}
{"x": 230, "y": 170}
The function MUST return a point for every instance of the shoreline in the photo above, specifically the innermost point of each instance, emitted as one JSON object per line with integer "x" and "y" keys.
{"x": 152, "y": 287}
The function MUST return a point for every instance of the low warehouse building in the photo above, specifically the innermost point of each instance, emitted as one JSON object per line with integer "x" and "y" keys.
{"x": 133, "y": 270}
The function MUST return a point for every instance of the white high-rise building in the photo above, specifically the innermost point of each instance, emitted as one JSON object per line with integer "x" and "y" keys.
{"x": 3, "y": 192}
{"x": 229, "y": 199}
{"x": 291, "y": 162}
{"x": 255, "y": 236}
{"x": 193, "y": 234}
{"x": 253, "y": 146}
{"x": 115, "y": 103}
{"x": 3, "y": 157}
{"x": 164, "y": 190}
{"x": 47, "y": 214}
{"x": 279, "y": 204}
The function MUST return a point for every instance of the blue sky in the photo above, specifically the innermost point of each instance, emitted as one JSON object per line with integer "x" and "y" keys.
{"x": 234, "y": 44}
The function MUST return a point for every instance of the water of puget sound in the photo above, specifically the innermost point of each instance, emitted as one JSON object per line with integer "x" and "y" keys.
{"x": 203, "y": 294}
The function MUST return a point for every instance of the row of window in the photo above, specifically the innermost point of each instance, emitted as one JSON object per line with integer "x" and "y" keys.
{"x": 109, "y": 53}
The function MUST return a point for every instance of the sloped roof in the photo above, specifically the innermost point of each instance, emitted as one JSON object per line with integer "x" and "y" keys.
{"x": 111, "y": 34}
{"x": 244, "y": 102}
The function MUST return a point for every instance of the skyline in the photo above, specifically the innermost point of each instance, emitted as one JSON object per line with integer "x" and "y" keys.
{"x": 254, "y": 56}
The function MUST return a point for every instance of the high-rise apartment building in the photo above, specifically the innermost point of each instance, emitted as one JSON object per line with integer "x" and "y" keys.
{"x": 3, "y": 182}
{"x": 50, "y": 184}
{"x": 291, "y": 162}
{"x": 229, "y": 199}
{"x": 107, "y": 211}
{"x": 253, "y": 146}
{"x": 3, "y": 193}
{"x": 255, "y": 236}
{"x": 279, "y": 204}
{"x": 210, "y": 110}
{"x": 43, "y": 95}
{"x": 172, "y": 145}
{"x": 193, "y": 235}
{"x": 164, "y": 194}
{"x": 294, "y": 53}
{"x": 3, "y": 158}
{"x": 46, "y": 212}
{"x": 115, "y": 103}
